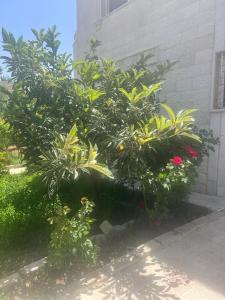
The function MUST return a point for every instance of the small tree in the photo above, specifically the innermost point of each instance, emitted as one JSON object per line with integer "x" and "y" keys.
{"x": 46, "y": 100}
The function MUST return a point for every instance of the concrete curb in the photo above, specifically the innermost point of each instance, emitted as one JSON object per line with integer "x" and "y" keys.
{"x": 41, "y": 263}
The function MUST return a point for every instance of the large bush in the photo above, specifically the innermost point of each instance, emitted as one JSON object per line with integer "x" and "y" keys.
{"x": 46, "y": 100}
{"x": 117, "y": 115}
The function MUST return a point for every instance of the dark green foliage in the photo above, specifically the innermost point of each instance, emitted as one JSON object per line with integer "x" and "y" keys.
{"x": 208, "y": 141}
{"x": 24, "y": 209}
{"x": 45, "y": 99}
{"x": 113, "y": 201}
{"x": 5, "y": 135}
{"x": 41, "y": 101}
{"x": 4, "y": 161}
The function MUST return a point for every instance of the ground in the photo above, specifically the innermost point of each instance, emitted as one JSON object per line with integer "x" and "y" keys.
{"x": 188, "y": 263}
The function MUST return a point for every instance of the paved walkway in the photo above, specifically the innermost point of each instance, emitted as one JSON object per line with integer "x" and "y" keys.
{"x": 187, "y": 263}
{"x": 214, "y": 203}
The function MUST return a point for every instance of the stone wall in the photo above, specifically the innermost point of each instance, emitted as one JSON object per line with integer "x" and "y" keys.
{"x": 216, "y": 165}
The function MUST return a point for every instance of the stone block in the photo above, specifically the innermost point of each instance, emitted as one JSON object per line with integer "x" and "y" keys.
{"x": 105, "y": 227}
{"x": 222, "y": 132}
{"x": 33, "y": 267}
{"x": 221, "y": 191}
{"x": 212, "y": 187}
{"x": 203, "y": 56}
{"x": 99, "y": 239}
{"x": 213, "y": 165}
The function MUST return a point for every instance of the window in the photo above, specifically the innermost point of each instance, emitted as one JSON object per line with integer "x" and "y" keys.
{"x": 114, "y": 4}
{"x": 220, "y": 80}
{"x": 107, "y": 6}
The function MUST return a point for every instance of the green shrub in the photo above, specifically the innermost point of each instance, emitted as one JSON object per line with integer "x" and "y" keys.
{"x": 70, "y": 243}
{"x": 45, "y": 99}
{"x": 67, "y": 159}
{"x": 5, "y": 135}
{"x": 113, "y": 201}
{"x": 24, "y": 209}
{"x": 4, "y": 161}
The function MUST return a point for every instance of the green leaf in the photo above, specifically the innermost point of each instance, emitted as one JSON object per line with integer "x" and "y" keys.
{"x": 191, "y": 136}
{"x": 99, "y": 168}
{"x": 170, "y": 112}
{"x": 94, "y": 95}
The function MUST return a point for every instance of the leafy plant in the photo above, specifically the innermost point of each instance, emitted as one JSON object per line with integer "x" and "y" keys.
{"x": 164, "y": 189}
{"x": 45, "y": 100}
{"x": 3, "y": 162}
{"x": 5, "y": 135}
{"x": 118, "y": 111}
{"x": 70, "y": 243}
{"x": 40, "y": 101}
{"x": 24, "y": 209}
{"x": 67, "y": 158}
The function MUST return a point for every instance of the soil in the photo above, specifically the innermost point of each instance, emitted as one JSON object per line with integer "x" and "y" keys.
{"x": 143, "y": 230}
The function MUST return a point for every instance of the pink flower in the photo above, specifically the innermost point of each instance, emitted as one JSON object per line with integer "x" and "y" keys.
{"x": 141, "y": 205}
{"x": 191, "y": 152}
{"x": 177, "y": 160}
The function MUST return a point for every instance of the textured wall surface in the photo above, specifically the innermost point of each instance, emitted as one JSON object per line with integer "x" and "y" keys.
{"x": 187, "y": 31}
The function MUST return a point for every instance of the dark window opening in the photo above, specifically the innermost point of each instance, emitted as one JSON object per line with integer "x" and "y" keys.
{"x": 107, "y": 6}
{"x": 114, "y": 4}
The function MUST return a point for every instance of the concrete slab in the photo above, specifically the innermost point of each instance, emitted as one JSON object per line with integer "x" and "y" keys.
{"x": 191, "y": 267}
{"x": 213, "y": 203}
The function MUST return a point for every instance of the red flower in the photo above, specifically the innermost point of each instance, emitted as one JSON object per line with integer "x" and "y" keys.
{"x": 177, "y": 160}
{"x": 141, "y": 205}
{"x": 191, "y": 152}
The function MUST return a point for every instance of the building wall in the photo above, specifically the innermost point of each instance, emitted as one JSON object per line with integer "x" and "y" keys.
{"x": 178, "y": 30}
{"x": 216, "y": 165}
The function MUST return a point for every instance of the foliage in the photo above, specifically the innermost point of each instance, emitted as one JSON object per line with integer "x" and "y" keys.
{"x": 46, "y": 100}
{"x": 116, "y": 110}
{"x": 5, "y": 135}
{"x": 70, "y": 243}
{"x": 67, "y": 158}
{"x": 162, "y": 191}
{"x": 208, "y": 142}
{"x": 41, "y": 102}
{"x": 24, "y": 209}
{"x": 4, "y": 86}
{"x": 172, "y": 182}
{"x": 5, "y": 142}
{"x": 3, "y": 162}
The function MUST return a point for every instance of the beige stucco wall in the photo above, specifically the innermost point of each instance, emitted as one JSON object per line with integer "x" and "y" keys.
{"x": 178, "y": 30}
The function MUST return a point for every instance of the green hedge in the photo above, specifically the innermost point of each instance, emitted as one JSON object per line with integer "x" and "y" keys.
{"x": 24, "y": 209}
